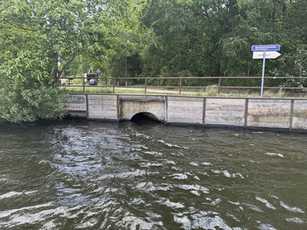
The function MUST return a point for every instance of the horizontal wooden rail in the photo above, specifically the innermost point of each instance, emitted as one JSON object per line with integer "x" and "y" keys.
{"x": 189, "y": 78}
{"x": 179, "y": 85}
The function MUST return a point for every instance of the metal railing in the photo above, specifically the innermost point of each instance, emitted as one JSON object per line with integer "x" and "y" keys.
{"x": 187, "y": 85}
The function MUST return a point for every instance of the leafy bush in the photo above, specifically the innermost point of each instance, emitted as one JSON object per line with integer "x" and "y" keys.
{"x": 26, "y": 90}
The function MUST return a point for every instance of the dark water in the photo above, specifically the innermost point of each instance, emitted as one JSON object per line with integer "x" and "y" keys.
{"x": 126, "y": 176}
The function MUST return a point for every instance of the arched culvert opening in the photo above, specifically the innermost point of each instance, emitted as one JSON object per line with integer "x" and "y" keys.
{"x": 141, "y": 118}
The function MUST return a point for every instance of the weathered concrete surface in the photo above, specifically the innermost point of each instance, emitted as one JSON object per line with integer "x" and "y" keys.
{"x": 185, "y": 110}
{"x": 269, "y": 113}
{"x": 76, "y": 103}
{"x": 132, "y": 105}
{"x": 102, "y": 107}
{"x": 251, "y": 112}
{"x": 225, "y": 112}
{"x": 300, "y": 114}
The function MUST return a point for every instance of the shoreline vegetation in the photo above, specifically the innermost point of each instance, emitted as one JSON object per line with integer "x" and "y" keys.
{"x": 41, "y": 42}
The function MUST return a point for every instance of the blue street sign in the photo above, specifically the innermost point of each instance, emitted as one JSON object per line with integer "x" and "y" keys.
{"x": 265, "y": 48}
{"x": 265, "y": 52}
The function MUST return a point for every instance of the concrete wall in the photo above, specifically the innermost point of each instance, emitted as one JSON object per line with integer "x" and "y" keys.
{"x": 132, "y": 105}
{"x": 185, "y": 110}
{"x": 215, "y": 111}
{"x": 102, "y": 107}
{"x": 269, "y": 113}
{"x": 76, "y": 103}
{"x": 299, "y": 120}
{"x": 225, "y": 112}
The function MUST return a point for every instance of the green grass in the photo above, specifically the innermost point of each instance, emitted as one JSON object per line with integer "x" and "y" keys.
{"x": 208, "y": 91}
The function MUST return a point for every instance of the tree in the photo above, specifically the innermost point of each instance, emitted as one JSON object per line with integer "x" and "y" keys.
{"x": 26, "y": 91}
{"x": 39, "y": 41}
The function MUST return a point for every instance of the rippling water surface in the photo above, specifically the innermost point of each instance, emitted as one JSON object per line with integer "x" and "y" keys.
{"x": 89, "y": 175}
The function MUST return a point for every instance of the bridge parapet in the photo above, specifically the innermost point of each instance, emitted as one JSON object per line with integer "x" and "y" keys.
{"x": 272, "y": 113}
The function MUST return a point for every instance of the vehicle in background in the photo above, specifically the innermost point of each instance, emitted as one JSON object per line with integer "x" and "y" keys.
{"x": 92, "y": 77}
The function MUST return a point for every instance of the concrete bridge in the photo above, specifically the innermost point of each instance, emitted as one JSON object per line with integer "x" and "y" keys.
{"x": 272, "y": 113}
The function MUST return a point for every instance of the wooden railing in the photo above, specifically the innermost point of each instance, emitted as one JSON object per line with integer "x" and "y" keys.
{"x": 182, "y": 85}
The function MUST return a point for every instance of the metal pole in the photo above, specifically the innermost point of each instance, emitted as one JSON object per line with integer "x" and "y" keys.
{"x": 114, "y": 83}
{"x": 180, "y": 86}
{"x": 262, "y": 79}
{"x": 83, "y": 85}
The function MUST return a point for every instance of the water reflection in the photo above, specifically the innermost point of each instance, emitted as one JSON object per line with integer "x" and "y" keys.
{"x": 126, "y": 176}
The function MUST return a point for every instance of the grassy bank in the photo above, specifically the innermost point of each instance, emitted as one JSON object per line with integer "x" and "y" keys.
{"x": 206, "y": 91}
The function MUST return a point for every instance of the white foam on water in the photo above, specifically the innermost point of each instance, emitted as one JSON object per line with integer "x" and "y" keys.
{"x": 234, "y": 203}
{"x": 180, "y": 176}
{"x": 143, "y": 147}
{"x": 184, "y": 221}
{"x": 22, "y": 218}
{"x": 177, "y": 154}
{"x": 295, "y": 220}
{"x": 192, "y": 188}
{"x": 194, "y": 164}
{"x": 50, "y": 225}
{"x": 14, "y": 194}
{"x": 4, "y": 214}
{"x": 266, "y": 227}
{"x": 253, "y": 207}
{"x": 227, "y": 174}
{"x": 275, "y": 197}
{"x": 153, "y": 153}
{"x": 149, "y": 165}
{"x": 143, "y": 135}
{"x": 123, "y": 175}
{"x": 170, "y": 162}
{"x": 196, "y": 193}
{"x": 266, "y": 203}
{"x": 216, "y": 202}
{"x": 170, "y": 145}
{"x": 131, "y": 222}
{"x": 275, "y": 155}
{"x": 150, "y": 187}
{"x": 207, "y": 220}
{"x": 196, "y": 178}
{"x": 172, "y": 205}
{"x": 207, "y": 164}
{"x": 234, "y": 218}
{"x": 291, "y": 209}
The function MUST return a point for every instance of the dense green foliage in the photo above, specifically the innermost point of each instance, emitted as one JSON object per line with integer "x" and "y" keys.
{"x": 42, "y": 40}
{"x": 206, "y": 38}
{"x": 213, "y": 37}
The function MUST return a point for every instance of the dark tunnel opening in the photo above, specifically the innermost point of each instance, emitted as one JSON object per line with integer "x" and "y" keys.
{"x": 145, "y": 118}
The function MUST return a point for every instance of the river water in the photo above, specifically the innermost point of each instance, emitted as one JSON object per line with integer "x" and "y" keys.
{"x": 91, "y": 175}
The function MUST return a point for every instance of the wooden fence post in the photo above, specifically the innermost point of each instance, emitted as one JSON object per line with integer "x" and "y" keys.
{"x": 113, "y": 82}
{"x": 180, "y": 86}
{"x": 219, "y": 86}
{"x": 83, "y": 85}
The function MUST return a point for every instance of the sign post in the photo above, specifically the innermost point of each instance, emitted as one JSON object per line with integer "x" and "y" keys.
{"x": 265, "y": 52}
{"x": 263, "y": 73}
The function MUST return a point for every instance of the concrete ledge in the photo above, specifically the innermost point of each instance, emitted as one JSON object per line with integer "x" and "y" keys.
{"x": 76, "y": 114}
{"x": 251, "y": 113}
{"x": 142, "y": 98}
